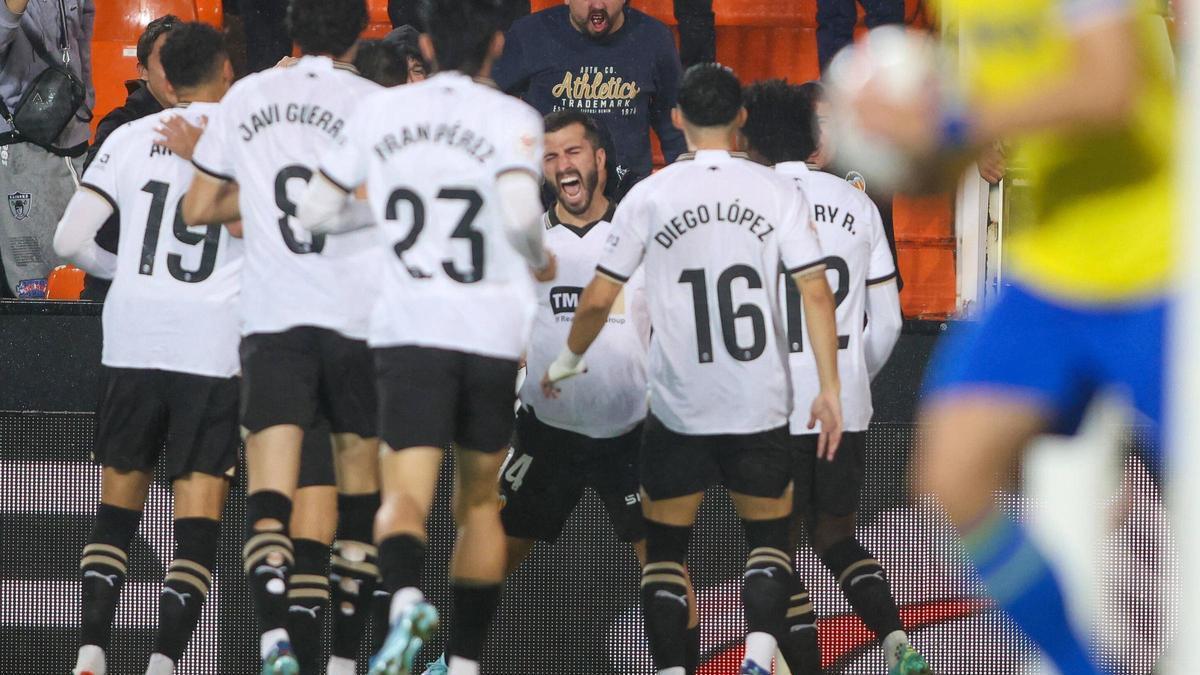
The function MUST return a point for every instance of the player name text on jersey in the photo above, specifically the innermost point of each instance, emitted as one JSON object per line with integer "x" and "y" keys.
{"x": 454, "y": 136}
{"x": 734, "y": 213}
{"x": 294, "y": 113}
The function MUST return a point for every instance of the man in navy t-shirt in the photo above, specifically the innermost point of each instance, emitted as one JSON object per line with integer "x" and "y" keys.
{"x": 614, "y": 63}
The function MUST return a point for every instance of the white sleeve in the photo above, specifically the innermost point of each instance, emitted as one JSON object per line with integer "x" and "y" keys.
{"x": 521, "y": 141}
{"x": 345, "y": 166}
{"x": 882, "y": 266}
{"x": 75, "y": 238}
{"x": 626, "y": 244}
{"x": 799, "y": 248}
{"x": 521, "y": 203}
{"x": 212, "y": 153}
{"x": 326, "y": 208}
{"x": 883, "y": 325}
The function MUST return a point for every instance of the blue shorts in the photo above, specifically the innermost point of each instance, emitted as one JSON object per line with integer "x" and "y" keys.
{"x": 1059, "y": 356}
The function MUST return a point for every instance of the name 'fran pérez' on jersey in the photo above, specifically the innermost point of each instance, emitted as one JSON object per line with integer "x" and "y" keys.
{"x": 429, "y": 154}
{"x": 712, "y": 231}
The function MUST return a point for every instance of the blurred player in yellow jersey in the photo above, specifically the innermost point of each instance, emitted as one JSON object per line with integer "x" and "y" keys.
{"x": 1083, "y": 87}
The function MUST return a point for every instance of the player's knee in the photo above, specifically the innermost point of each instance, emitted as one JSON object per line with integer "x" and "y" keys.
{"x": 399, "y": 512}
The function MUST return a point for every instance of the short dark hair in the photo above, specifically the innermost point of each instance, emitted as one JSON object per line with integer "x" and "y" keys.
{"x": 404, "y": 41}
{"x": 779, "y": 121}
{"x": 562, "y": 119}
{"x": 378, "y": 62}
{"x": 710, "y": 95}
{"x": 462, "y": 31}
{"x": 326, "y": 26}
{"x": 154, "y": 30}
{"x": 193, "y": 54}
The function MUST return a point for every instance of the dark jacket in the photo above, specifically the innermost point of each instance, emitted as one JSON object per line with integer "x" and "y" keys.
{"x": 140, "y": 103}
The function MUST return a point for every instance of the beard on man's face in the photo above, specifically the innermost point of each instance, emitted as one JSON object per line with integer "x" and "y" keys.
{"x": 574, "y": 189}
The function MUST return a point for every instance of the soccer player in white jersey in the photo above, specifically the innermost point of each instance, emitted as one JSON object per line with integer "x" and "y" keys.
{"x": 305, "y": 304}
{"x": 711, "y": 231}
{"x": 452, "y": 171}
{"x": 780, "y": 131}
{"x": 590, "y": 435}
{"x": 169, "y": 360}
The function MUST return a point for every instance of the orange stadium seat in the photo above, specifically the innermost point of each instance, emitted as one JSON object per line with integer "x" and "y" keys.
{"x": 757, "y": 38}
{"x": 114, "y": 41}
{"x": 65, "y": 283}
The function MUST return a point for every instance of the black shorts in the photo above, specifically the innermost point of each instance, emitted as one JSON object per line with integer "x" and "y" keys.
{"x": 436, "y": 397}
{"x": 824, "y": 487}
{"x": 306, "y": 373}
{"x": 316, "y": 456}
{"x": 544, "y": 478}
{"x": 144, "y": 410}
{"x": 675, "y": 465}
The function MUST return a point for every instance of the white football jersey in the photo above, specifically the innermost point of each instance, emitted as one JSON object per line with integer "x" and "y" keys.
{"x": 429, "y": 154}
{"x": 173, "y": 301}
{"x": 857, "y": 255}
{"x": 713, "y": 229}
{"x": 610, "y": 398}
{"x": 269, "y": 134}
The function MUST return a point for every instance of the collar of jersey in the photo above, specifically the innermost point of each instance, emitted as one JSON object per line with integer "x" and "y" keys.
{"x": 697, "y": 154}
{"x": 327, "y": 61}
{"x": 798, "y": 169}
{"x": 581, "y": 231}
{"x": 456, "y": 76}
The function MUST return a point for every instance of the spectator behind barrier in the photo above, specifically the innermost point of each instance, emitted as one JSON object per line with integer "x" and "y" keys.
{"x": 617, "y": 64}
{"x": 148, "y": 94}
{"x": 39, "y": 181}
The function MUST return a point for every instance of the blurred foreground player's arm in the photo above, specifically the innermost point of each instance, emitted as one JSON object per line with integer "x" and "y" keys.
{"x": 884, "y": 320}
